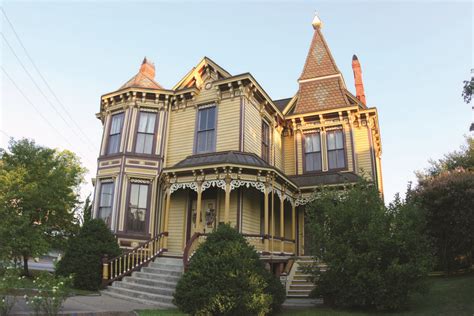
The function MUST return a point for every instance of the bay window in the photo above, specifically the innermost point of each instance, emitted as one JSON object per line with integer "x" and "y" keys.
{"x": 206, "y": 130}
{"x": 138, "y": 207}
{"x": 145, "y": 133}
{"x": 105, "y": 202}
{"x": 115, "y": 133}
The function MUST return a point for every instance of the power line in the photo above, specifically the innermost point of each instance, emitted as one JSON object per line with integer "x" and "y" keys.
{"x": 44, "y": 79}
{"x": 36, "y": 109}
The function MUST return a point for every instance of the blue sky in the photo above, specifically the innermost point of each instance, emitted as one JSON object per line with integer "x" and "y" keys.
{"x": 414, "y": 57}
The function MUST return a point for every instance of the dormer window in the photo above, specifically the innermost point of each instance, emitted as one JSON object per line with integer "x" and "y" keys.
{"x": 265, "y": 141}
{"x": 336, "y": 151}
{"x": 312, "y": 152}
{"x": 145, "y": 133}
{"x": 206, "y": 130}
{"x": 115, "y": 133}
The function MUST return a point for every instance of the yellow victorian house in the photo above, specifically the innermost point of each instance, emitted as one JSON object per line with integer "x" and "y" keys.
{"x": 216, "y": 148}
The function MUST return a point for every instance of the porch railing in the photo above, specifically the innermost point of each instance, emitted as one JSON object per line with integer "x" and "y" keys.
{"x": 132, "y": 260}
{"x": 277, "y": 245}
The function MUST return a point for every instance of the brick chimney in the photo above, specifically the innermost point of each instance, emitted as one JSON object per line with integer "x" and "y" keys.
{"x": 359, "y": 84}
{"x": 148, "y": 69}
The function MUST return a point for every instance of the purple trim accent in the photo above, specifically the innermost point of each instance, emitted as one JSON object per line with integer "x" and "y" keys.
{"x": 164, "y": 134}
{"x": 129, "y": 125}
{"x": 243, "y": 123}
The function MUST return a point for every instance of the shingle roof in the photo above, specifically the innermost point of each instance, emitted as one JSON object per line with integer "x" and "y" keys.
{"x": 230, "y": 157}
{"x": 324, "y": 179}
{"x": 282, "y": 103}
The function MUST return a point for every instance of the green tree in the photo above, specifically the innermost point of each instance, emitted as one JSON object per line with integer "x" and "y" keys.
{"x": 448, "y": 200}
{"x": 467, "y": 89}
{"x": 87, "y": 210}
{"x": 38, "y": 193}
{"x": 84, "y": 252}
{"x": 375, "y": 257}
{"x": 227, "y": 277}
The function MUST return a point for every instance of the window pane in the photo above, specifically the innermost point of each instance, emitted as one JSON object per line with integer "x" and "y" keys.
{"x": 210, "y": 141}
{"x": 339, "y": 140}
{"x": 313, "y": 161}
{"x": 332, "y": 159}
{"x": 202, "y": 119}
{"x": 148, "y": 146}
{"x": 331, "y": 141}
{"x": 147, "y": 123}
{"x": 312, "y": 143}
{"x": 106, "y": 194}
{"x": 117, "y": 121}
{"x": 211, "y": 118}
{"x": 143, "y": 194}
{"x": 316, "y": 140}
{"x": 114, "y": 144}
{"x": 341, "y": 159}
{"x": 139, "y": 147}
{"x": 134, "y": 191}
{"x": 308, "y": 144}
{"x": 201, "y": 142}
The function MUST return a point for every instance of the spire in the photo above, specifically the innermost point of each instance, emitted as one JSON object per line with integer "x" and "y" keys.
{"x": 359, "y": 84}
{"x": 319, "y": 61}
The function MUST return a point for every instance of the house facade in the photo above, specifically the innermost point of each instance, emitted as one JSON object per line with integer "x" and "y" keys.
{"x": 216, "y": 148}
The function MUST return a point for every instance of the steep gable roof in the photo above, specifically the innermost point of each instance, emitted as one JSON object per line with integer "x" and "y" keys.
{"x": 194, "y": 76}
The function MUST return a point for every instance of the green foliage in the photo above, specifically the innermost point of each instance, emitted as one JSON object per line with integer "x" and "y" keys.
{"x": 448, "y": 200}
{"x": 467, "y": 90}
{"x": 51, "y": 294}
{"x": 9, "y": 279}
{"x": 87, "y": 209}
{"x": 84, "y": 253}
{"x": 375, "y": 257}
{"x": 38, "y": 191}
{"x": 226, "y": 277}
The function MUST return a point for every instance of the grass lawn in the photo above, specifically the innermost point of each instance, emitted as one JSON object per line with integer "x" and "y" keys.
{"x": 447, "y": 296}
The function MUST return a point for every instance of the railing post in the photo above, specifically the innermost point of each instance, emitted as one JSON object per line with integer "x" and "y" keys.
{"x": 282, "y": 223}
{"x": 265, "y": 217}
{"x": 105, "y": 270}
{"x": 227, "y": 200}
{"x": 293, "y": 226}
{"x": 165, "y": 219}
{"x": 198, "y": 207}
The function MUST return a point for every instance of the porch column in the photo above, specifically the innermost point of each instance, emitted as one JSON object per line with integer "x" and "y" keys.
{"x": 293, "y": 224}
{"x": 198, "y": 208}
{"x": 282, "y": 221}
{"x": 265, "y": 217}
{"x": 227, "y": 200}
{"x": 166, "y": 216}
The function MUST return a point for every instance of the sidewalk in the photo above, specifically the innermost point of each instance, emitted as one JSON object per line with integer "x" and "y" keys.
{"x": 102, "y": 305}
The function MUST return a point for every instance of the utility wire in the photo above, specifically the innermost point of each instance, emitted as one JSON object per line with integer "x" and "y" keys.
{"x": 38, "y": 111}
{"x": 39, "y": 88}
{"x": 44, "y": 80}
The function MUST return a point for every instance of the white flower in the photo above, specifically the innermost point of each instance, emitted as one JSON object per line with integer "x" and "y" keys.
{"x": 25, "y": 296}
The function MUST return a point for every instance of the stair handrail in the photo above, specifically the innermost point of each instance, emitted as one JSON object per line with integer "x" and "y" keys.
{"x": 131, "y": 260}
{"x": 191, "y": 247}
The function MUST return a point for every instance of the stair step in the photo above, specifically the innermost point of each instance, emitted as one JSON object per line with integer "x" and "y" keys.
{"x": 141, "y": 295}
{"x": 154, "y": 276}
{"x": 134, "y": 299}
{"x": 162, "y": 271}
{"x": 149, "y": 282}
{"x": 145, "y": 288}
{"x": 166, "y": 266}
{"x": 168, "y": 260}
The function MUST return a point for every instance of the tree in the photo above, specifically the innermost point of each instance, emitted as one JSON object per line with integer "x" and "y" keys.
{"x": 227, "y": 277}
{"x": 84, "y": 252}
{"x": 38, "y": 191}
{"x": 375, "y": 257}
{"x": 448, "y": 200}
{"x": 467, "y": 89}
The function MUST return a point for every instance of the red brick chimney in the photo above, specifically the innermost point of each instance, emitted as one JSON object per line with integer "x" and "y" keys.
{"x": 359, "y": 84}
{"x": 148, "y": 69}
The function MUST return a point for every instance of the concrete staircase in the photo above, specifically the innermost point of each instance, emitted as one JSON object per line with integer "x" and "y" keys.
{"x": 152, "y": 285}
{"x": 299, "y": 285}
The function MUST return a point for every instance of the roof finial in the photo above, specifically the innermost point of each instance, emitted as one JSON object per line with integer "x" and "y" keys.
{"x": 317, "y": 23}
{"x": 144, "y": 61}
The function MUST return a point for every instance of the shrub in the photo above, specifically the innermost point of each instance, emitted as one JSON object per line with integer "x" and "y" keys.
{"x": 10, "y": 280}
{"x": 375, "y": 257}
{"x": 51, "y": 294}
{"x": 448, "y": 200}
{"x": 84, "y": 253}
{"x": 226, "y": 277}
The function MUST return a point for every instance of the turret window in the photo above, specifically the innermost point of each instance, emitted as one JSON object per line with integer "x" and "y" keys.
{"x": 312, "y": 152}
{"x": 137, "y": 208}
{"x": 115, "y": 133}
{"x": 336, "y": 152}
{"x": 145, "y": 133}
{"x": 206, "y": 130}
{"x": 105, "y": 202}
{"x": 265, "y": 141}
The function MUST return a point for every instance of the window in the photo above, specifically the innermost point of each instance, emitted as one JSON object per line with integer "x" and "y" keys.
{"x": 114, "y": 135}
{"x": 312, "y": 152}
{"x": 137, "y": 208}
{"x": 265, "y": 141}
{"x": 145, "y": 133}
{"x": 206, "y": 130}
{"x": 336, "y": 155}
{"x": 105, "y": 202}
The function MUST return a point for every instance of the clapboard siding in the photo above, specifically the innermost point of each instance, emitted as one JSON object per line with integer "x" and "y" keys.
{"x": 348, "y": 144}
{"x": 228, "y": 118}
{"x": 251, "y": 211}
{"x": 289, "y": 155}
{"x": 278, "y": 149}
{"x": 299, "y": 150}
{"x": 181, "y": 135}
{"x": 253, "y": 129}
{"x": 176, "y": 225}
{"x": 363, "y": 151}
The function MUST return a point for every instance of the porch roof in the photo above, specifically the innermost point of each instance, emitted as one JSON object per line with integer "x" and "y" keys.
{"x": 226, "y": 157}
{"x": 310, "y": 180}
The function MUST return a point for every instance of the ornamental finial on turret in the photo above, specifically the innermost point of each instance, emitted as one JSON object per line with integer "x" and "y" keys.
{"x": 317, "y": 23}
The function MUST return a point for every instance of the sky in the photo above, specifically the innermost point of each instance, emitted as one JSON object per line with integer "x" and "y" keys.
{"x": 414, "y": 56}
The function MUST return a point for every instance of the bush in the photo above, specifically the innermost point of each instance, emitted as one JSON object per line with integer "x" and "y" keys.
{"x": 51, "y": 294}
{"x": 448, "y": 200}
{"x": 375, "y": 257}
{"x": 226, "y": 277}
{"x": 84, "y": 253}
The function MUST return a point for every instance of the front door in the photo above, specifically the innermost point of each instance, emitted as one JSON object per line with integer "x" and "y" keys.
{"x": 208, "y": 217}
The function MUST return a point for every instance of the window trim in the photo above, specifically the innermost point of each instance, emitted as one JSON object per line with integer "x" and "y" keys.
{"x": 102, "y": 182}
{"x": 148, "y": 208}
{"x": 196, "y": 127}
{"x": 264, "y": 122}
{"x": 344, "y": 147}
{"x": 107, "y": 152}
{"x": 303, "y": 146}
{"x": 155, "y": 131}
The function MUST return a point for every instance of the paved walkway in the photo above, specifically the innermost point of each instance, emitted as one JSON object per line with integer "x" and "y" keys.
{"x": 102, "y": 305}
